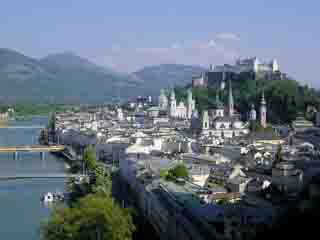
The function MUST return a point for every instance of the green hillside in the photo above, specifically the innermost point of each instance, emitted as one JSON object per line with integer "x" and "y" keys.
{"x": 68, "y": 78}
{"x": 285, "y": 97}
{"x": 62, "y": 78}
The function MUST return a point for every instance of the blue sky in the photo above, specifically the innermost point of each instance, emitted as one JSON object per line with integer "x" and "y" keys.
{"x": 127, "y": 35}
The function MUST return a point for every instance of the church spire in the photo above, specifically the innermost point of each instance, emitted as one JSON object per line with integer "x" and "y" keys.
{"x": 231, "y": 102}
{"x": 263, "y": 100}
{"x": 263, "y": 111}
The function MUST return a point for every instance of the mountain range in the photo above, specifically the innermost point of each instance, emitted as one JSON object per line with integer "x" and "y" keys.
{"x": 68, "y": 78}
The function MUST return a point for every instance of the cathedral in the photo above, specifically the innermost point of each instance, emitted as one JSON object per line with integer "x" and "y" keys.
{"x": 222, "y": 121}
{"x": 181, "y": 110}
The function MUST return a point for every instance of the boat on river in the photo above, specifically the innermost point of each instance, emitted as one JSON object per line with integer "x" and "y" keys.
{"x": 52, "y": 197}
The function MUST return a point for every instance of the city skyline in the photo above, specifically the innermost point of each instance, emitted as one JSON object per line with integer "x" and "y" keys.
{"x": 127, "y": 36}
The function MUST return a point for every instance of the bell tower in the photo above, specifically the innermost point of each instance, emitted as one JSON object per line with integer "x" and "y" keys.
{"x": 263, "y": 112}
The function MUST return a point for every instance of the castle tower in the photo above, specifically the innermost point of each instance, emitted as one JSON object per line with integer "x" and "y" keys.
{"x": 256, "y": 64}
{"x": 231, "y": 102}
{"x": 253, "y": 114}
{"x": 205, "y": 120}
{"x": 275, "y": 65}
{"x": 263, "y": 112}
{"x": 173, "y": 104}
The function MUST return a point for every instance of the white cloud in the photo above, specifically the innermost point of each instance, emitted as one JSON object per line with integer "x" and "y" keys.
{"x": 212, "y": 43}
{"x": 196, "y": 53}
{"x": 176, "y": 46}
{"x": 228, "y": 36}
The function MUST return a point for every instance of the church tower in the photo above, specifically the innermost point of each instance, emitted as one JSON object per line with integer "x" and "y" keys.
{"x": 173, "y": 104}
{"x": 163, "y": 100}
{"x": 219, "y": 108}
{"x": 119, "y": 114}
{"x": 190, "y": 104}
{"x": 253, "y": 114}
{"x": 205, "y": 120}
{"x": 263, "y": 112}
{"x": 231, "y": 102}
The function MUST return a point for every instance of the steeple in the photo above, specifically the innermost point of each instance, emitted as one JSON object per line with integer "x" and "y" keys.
{"x": 205, "y": 120}
{"x": 219, "y": 111}
{"x": 253, "y": 113}
{"x": 172, "y": 95}
{"x": 231, "y": 102}
{"x": 190, "y": 104}
{"x": 173, "y": 104}
{"x": 263, "y": 111}
{"x": 263, "y": 100}
{"x": 163, "y": 100}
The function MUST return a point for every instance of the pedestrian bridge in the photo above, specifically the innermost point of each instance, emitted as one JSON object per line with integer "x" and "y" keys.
{"x": 40, "y": 176}
{"x": 32, "y": 148}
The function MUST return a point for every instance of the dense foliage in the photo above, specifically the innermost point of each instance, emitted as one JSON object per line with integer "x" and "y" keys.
{"x": 179, "y": 171}
{"x": 92, "y": 218}
{"x": 89, "y": 157}
{"x": 285, "y": 97}
{"x": 52, "y": 122}
{"x": 92, "y": 213}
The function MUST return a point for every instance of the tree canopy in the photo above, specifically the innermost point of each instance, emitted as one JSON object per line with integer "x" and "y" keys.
{"x": 285, "y": 97}
{"x": 89, "y": 157}
{"x": 91, "y": 218}
{"x": 179, "y": 171}
{"x": 52, "y": 122}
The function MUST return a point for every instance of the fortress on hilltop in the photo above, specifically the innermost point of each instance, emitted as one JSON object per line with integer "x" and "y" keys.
{"x": 251, "y": 67}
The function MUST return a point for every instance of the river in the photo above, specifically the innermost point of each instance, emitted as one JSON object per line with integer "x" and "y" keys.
{"x": 21, "y": 212}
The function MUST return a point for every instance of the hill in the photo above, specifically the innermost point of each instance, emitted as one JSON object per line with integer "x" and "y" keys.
{"x": 68, "y": 78}
{"x": 60, "y": 78}
{"x": 285, "y": 97}
{"x": 153, "y": 78}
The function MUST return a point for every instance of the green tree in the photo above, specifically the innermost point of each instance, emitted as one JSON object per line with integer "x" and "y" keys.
{"x": 102, "y": 182}
{"x": 89, "y": 157}
{"x": 52, "y": 122}
{"x": 179, "y": 171}
{"x": 91, "y": 218}
{"x": 285, "y": 97}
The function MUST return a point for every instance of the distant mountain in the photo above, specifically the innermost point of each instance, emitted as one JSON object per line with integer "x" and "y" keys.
{"x": 68, "y": 78}
{"x": 23, "y": 78}
{"x": 61, "y": 78}
{"x": 153, "y": 78}
{"x": 69, "y": 60}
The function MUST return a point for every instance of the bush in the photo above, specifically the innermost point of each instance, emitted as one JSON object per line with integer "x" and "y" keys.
{"x": 179, "y": 171}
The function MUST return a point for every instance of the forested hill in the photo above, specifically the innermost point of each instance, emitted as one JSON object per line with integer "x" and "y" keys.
{"x": 57, "y": 78}
{"x": 68, "y": 78}
{"x": 285, "y": 97}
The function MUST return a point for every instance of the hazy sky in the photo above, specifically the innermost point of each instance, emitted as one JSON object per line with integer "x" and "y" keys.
{"x": 127, "y": 35}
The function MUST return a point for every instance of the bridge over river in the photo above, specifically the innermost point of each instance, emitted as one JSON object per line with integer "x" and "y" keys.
{"x": 23, "y": 127}
{"x": 39, "y": 176}
{"x": 32, "y": 148}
